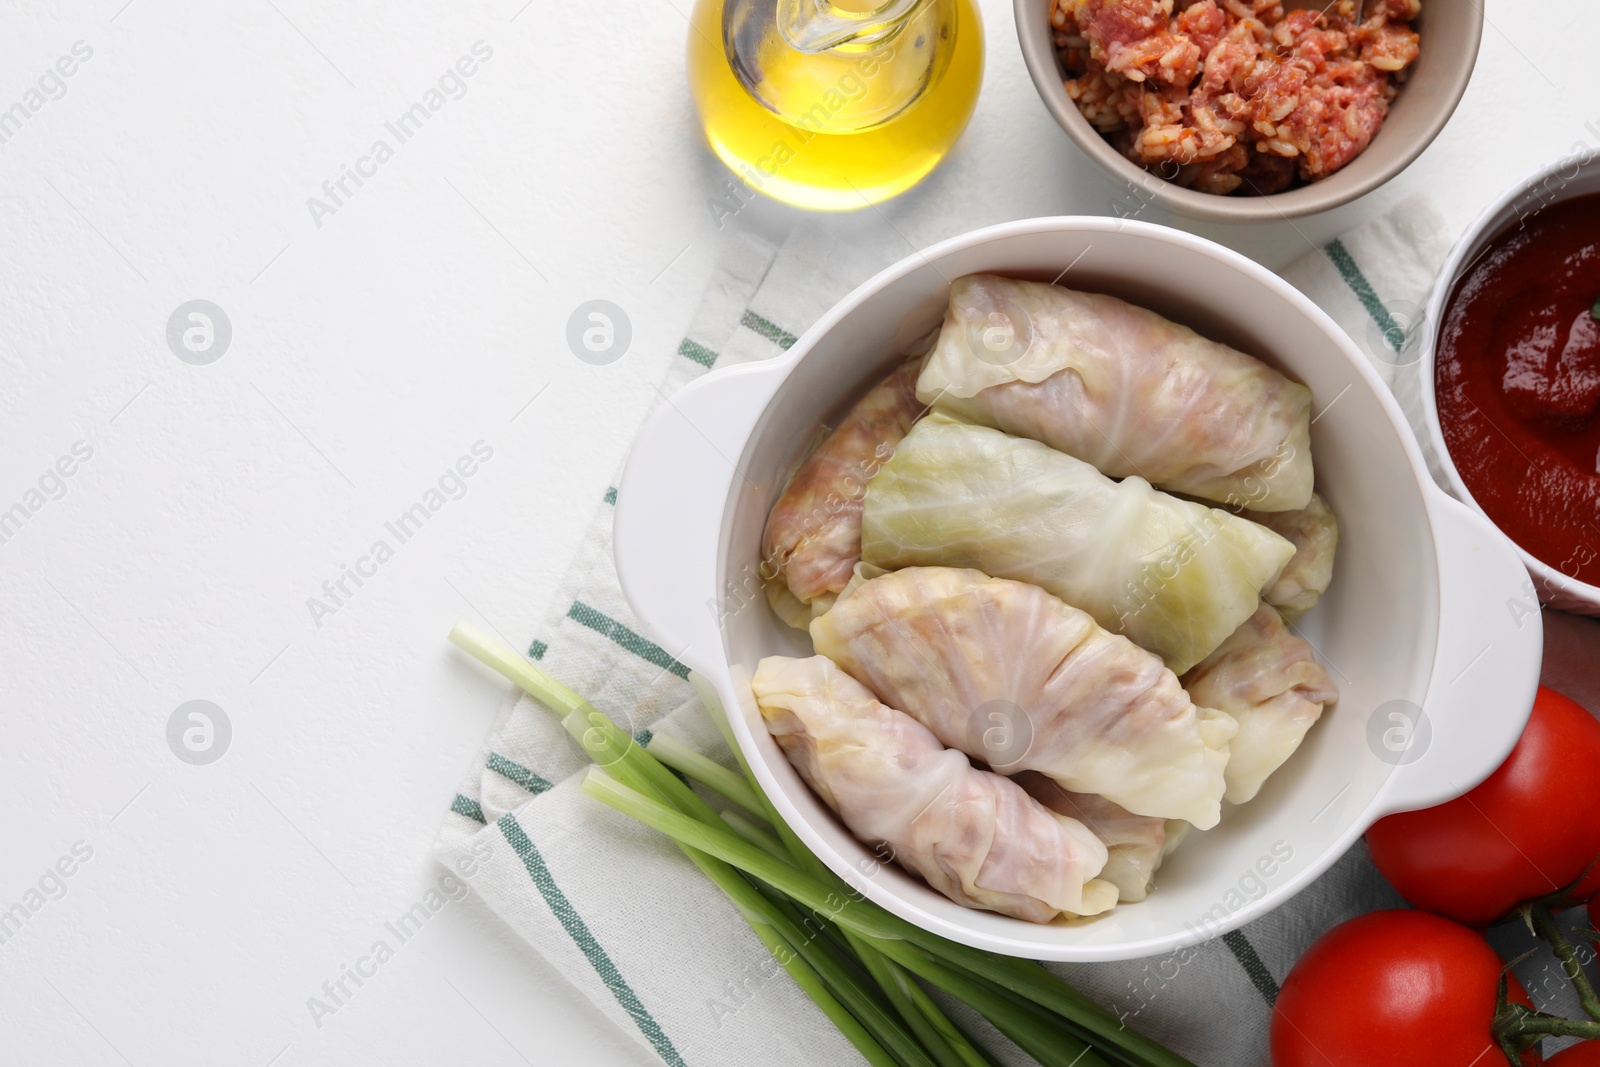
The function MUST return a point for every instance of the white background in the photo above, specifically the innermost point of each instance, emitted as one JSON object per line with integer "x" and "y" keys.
{"x": 367, "y": 355}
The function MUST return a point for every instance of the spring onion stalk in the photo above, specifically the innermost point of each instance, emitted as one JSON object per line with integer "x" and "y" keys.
{"x": 611, "y": 747}
{"x": 486, "y": 650}
{"x": 1116, "y": 1055}
{"x": 755, "y": 833}
{"x": 922, "y": 1015}
{"x": 708, "y": 772}
{"x": 942, "y": 1037}
{"x": 769, "y": 923}
{"x": 918, "y": 1009}
{"x": 946, "y": 1043}
{"x": 759, "y": 913}
{"x": 948, "y": 1046}
{"x": 1051, "y": 1047}
{"x": 873, "y": 1033}
{"x": 789, "y": 944}
{"x": 1043, "y": 1015}
{"x": 857, "y": 995}
{"x": 614, "y": 749}
{"x": 973, "y": 1055}
{"x": 1020, "y": 976}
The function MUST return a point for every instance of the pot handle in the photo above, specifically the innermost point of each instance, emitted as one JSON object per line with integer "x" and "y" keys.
{"x": 1485, "y": 668}
{"x": 671, "y": 501}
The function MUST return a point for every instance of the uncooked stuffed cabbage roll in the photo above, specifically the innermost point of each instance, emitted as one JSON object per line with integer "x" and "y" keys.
{"x": 1314, "y": 532}
{"x": 813, "y": 533}
{"x": 1124, "y": 389}
{"x": 1011, "y": 675}
{"x": 1175, "y": 576}
{"x": 974, "y": 836}
{"x": 1269, "y": 680}
{"x": 1135, "y": 844}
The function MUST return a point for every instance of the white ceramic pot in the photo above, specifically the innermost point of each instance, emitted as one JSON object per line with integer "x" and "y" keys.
{"x": 1573, "y": 176}
{"x": 1422, "y": 613}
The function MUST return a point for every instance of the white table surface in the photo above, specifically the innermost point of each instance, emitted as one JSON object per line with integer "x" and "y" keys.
{"x": 368, "y": 353}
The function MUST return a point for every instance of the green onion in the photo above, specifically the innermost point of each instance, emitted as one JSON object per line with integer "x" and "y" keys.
{"x": 1594, "y": 308}
{"x": 755, "y": 833}
{"x": 1136, "y": 1052}
{"x": 1050, "y": 1047}
{"x": 614, "y": 749}
{"x": 850, "y": 910}
{"x": 707, "y": 771}
{"x": 952, "y": 1047}
{"x": 856, "y": 961}
{"x": 768, "y": 923}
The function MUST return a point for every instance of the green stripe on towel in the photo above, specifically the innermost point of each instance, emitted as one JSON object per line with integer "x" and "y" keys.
{"x": 516, "y": 772}
{"x": 1245, "y": 953}
{"x": 579, "y": 931}
{"x": 697, "y": 353}
{"x": 647, "y": 650}
{"x": 766, "y": 328}
{"x": 464, "y": 805}
{"x": 1351, "y": 273}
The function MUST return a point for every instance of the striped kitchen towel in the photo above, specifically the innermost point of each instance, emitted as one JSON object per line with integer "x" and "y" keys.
{"x": 617, "y": 908}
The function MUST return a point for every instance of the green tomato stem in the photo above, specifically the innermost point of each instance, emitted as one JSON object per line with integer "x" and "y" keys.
{"x": 1553, "y": 1026}
{"x": 1545, "y": 925}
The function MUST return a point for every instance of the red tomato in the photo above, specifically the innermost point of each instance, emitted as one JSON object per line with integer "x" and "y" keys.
{"x": 1583, "y": 1054}
{"x": 1527, "y": 831}
{"x": 1400, "y": 988}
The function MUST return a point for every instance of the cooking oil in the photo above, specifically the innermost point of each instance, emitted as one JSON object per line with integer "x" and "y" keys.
{"x": 834, "y": 104}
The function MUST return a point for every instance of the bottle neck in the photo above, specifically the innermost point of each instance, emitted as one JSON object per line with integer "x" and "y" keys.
{"x": 819, "y": 25}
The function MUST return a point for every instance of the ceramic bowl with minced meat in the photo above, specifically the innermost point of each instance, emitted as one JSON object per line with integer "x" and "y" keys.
{"x": 1236, "y": 96}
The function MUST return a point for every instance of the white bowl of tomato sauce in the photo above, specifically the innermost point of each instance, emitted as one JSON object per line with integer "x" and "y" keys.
{"x": 1511, "y": 375}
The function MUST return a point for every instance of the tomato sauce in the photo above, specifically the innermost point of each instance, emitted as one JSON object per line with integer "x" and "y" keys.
{"x": 1518, "y": 384}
